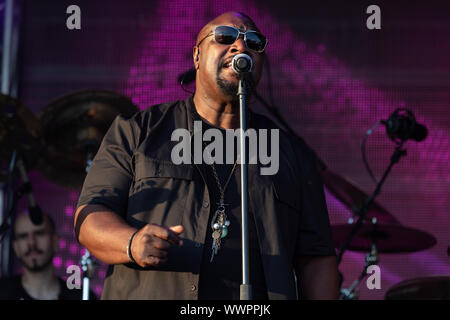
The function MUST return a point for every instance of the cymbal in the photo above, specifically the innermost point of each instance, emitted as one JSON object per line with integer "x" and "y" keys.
{"x": 73, "y": 128}
{"x": 19, "y": 131}
{"x": 423, "y": 288}
{"x": 353, "y": 198}
{"x": 388, "y": 238}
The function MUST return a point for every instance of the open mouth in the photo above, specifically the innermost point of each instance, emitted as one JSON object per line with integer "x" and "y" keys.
{"x": 227, "y": 64}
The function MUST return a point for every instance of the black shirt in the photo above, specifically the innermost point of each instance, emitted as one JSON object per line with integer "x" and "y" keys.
{"x": 134, "y": 175}
{"x": 221, "y": 278}
{"x": 11, "y": 288}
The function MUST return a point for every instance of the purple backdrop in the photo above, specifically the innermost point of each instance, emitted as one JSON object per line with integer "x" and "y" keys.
{"x": 333, "y": 79}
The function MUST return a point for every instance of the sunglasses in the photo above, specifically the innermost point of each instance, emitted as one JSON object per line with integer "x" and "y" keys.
{"x": 228, "y": 35}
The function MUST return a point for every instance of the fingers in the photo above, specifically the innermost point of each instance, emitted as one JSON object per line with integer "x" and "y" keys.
{"x": 177, "y": 229}
{"x": 154, "y": 261}
{"x": 151, "y": 244}
{"x": 167, "y": 233}
{"x": 160, "y": 244}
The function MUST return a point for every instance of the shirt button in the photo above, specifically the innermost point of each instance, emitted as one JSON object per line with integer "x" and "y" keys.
{"x": 193, "y": 287}
{"x": 205, "y": 204}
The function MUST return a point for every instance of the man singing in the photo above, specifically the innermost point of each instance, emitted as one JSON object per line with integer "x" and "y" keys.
{"x": 173, "y": 231}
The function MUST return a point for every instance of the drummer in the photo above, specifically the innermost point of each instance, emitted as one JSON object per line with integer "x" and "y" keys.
{"x": 35, "y": 247}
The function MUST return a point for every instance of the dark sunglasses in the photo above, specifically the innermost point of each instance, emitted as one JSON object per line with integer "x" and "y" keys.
{"x": 228, "y": 35}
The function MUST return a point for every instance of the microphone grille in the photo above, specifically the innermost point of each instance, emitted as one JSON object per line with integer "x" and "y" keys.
{"x": 242, "y": 63}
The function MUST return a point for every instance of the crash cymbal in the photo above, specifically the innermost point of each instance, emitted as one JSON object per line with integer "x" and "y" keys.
{"x": 424, "y": 288}
{"x": 19, "y": 131}
{"x": 353, "y": 197}
{"x": 388, "y": 238}
{"x": 73, "y": 127}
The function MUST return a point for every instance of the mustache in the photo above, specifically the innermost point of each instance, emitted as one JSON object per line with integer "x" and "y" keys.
{"x": 33, "y": 250}
{"x": 226, "y": 60}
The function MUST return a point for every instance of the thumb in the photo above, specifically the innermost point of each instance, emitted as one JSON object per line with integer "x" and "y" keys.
{"x": 177, "y": 229}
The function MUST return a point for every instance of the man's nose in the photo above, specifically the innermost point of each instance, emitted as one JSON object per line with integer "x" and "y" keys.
{"x": 239, "y": 46}
{"x": 31, "y": 239}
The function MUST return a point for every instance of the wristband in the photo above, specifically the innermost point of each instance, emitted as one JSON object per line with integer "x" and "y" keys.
{"x": 130, "y": 256}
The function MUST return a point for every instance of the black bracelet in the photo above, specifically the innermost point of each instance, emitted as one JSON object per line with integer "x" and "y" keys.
{"x": 130, "y": 256}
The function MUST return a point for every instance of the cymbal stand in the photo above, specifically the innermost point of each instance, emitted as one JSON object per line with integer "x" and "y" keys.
{"x": 10, "y": 198}
{"x": 371, "y": 259}
{"x": 362, "y": 211}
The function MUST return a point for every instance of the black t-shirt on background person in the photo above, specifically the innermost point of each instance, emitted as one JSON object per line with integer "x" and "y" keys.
{"x": 11, "y": 288}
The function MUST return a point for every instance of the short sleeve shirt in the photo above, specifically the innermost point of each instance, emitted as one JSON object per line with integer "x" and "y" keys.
{"x": 133, "y": 174}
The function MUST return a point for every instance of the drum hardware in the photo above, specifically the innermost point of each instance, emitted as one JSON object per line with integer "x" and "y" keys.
{"x": 73, "y": 128}
{"x": 364, "y": 236}
{"x": 61, "y": 144}
{"x": 379, "y": 238}
{"x": 19, "y": 150}
{"x": 370, "y": 259}
{"x": 353, "y": 197}
{"x": 424, "y": 288}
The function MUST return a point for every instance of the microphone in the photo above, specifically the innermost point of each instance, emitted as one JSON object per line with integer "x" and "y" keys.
{"x": 242, "y": 63}
{"x": 35, "y": 211}
{"x": 402, "y": 125}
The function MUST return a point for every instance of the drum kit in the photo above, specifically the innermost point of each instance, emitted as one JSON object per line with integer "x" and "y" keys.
{"x": 62, "y": 141}
{"x": 380, "y": 232}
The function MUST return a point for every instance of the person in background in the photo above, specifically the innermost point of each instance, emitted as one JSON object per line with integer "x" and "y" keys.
{"x": 35, "y": 247}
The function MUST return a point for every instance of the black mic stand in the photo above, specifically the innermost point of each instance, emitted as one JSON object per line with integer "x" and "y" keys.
{"x": 11, "y": 198}
{"x": 372, "y": 256}
{"x": 245, "y": 288}
{"x": 362, "y": 211}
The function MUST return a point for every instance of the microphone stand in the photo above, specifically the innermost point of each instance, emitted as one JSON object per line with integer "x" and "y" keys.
{"x": 245, "y": 287}
{"x": 11, "y": 199}
{"x": 362, "y": 211}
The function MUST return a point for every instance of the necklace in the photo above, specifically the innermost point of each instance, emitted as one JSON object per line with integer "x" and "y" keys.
{"x": 219, "y": 222}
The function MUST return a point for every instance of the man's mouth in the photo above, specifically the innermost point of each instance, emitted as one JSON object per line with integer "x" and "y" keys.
{"x": 227, "y": 63}
{"x": 33, "y": 253}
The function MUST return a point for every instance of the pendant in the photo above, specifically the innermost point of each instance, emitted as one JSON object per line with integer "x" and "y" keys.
{"x": 220, "y": 229}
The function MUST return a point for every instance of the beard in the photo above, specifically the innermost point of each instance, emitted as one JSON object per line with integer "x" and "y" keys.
{"x": 34, "y": 265}
{"x": 229, "y": 88}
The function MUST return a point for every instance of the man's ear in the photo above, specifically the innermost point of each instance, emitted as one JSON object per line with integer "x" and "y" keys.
{"x": 195, "y": 54}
